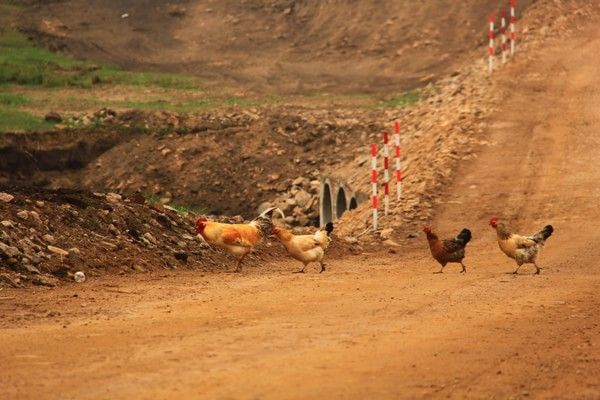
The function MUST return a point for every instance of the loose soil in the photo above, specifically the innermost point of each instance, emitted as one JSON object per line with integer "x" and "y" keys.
{"x": 376, "y": 325}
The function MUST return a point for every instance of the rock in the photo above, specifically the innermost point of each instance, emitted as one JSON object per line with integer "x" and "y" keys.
{"x": 35, "y": 260}
{"x": 24, "y": 214}
{"x": 351, "y": 240}
{"x": 302, "y": 198}
{"x": 16, "y": 283}
{"x": 300, "y": 181}
{"x": 58, "y": 250}
{"x": 9, "y": 251}
{"x": 303, "y": 220}
{"x": 390, "y": 243}
{"x": 5, "y": 197}
{"x": 48, "y": 238}
{"x": 291, "y": 202}
{"x": 28, "y": 268}
{"x": 42, "y": 281}
{"x": 264, "y": 206}
{"x": 113, "y": 229}
{"x": 148, "y": 236}
{"x": 53, "y": 116}
{"x": 386, "y": 234}
{"x": 181, "y": 256}
{"x": 113, "y": 198}
{"x": 35, "y": 216}
{"x": 40, "y": 203}
{"x": 7, "y": 224}
{"x": 74, "y": 251}
{"x": 315, "y": 185}
{"x": 166, "y": 152}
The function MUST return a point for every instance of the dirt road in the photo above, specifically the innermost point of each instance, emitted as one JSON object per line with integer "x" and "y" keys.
{"x": 375, "y": 325}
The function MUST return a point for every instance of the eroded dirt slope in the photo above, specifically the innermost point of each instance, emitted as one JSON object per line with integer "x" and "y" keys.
{"x": 274, "y": 46}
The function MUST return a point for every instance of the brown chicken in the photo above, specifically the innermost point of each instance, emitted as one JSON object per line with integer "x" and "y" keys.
{"x": 237, "y": 239}
{"x": 523, "y": 249}
{"x": 305, "y": 248}
{"x": 449, "y": 250}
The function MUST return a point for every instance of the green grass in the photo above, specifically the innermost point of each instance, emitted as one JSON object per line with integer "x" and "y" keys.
{"x": 180, "y": 208}
{"x": 12, "y": 120}
{"x": 23, "y": 63}
{"x": 13, "y": 99}
{"x": 405, "y": 99}
{"x": 193, "y": 105}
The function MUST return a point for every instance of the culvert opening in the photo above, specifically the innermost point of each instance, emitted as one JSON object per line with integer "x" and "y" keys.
{"x": 326, "y": 211}
{"x": 340, "y": 203}
{"x": 353, "y": 204}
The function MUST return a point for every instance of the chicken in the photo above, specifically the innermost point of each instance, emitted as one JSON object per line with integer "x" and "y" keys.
{"x": 449, "y": 250}
{"x": 306, "y": 248}
{"x": 523, "y": 249}
{"x": 237, "y": 239}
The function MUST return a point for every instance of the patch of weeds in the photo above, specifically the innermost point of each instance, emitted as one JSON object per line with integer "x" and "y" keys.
{"x": 109, "y": 74}
{"x": 19, "y": 121}
{"x": 13, "y": 99}
{"x": 152, "y": 198}
{"x": 405, "y": 99}
{"x": 190, "y": 106}
{"x": 23, "y": 63}
{"x": 182, "y": 209}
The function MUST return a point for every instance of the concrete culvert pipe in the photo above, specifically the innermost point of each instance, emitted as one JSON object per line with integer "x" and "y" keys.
{"x": 353, "y": 203}
{"x": 340, "y": 202}
{"x": 325, "y": 204}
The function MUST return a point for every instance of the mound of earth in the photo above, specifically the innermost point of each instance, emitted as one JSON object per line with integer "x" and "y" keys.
{"x": 47, "y": 235}
{"x": 273, "y": 46}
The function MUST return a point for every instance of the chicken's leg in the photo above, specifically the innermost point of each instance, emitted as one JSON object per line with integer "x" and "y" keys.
{"x": 441, "y": 270}
{"x": 322, "y": 266}
{"x": 517, "y": 270}
{"x": 537, "y": 269}
{"x": 301, "y": 271}
{"x": 464, "y": 268}
{"x": 239, "y": 264}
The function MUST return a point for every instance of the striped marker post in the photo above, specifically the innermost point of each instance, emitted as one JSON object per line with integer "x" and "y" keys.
{"x": 374, "y": 198}
{"x": 398, "y": 170}
{"x": 513, "y": 21}
{"x": 386, "y": 173}
{"x": 503, "y": 32}
{"x": 491, "y": 45}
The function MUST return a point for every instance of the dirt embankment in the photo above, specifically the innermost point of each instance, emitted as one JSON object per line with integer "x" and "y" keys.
{"x": 275, "y": 46}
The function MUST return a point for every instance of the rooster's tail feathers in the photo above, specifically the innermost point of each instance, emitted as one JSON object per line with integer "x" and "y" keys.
{"x": 547, "y": 231}
{"x": 464, "y": 235}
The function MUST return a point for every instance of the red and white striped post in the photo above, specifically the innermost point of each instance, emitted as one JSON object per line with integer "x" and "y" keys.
{"x": 374, "y": 198}
{"x": 386, "y": 173}
{"x": 503, "y": 32}
{"x": 513, "y": 21}
{"x": 491, "y": 45}
{"x": 398, "y": 170}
